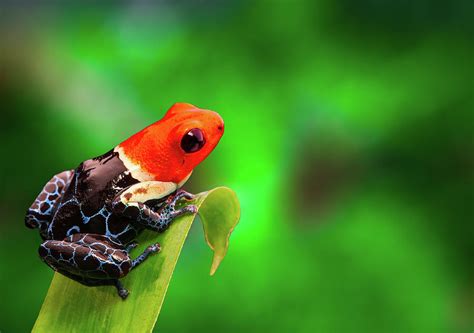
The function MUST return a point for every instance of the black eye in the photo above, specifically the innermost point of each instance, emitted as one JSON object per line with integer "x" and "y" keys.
{"x": 193, "y": 141}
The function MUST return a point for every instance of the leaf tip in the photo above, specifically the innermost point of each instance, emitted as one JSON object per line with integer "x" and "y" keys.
{"x": 216, "y": 261}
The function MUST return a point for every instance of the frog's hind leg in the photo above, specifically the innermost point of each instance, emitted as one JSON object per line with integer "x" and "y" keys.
{"x": 40, "y": 213}
{"x": 92, "y": 259}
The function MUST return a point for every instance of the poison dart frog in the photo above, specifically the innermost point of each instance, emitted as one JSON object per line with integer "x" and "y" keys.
{"x": 90, "y": 216}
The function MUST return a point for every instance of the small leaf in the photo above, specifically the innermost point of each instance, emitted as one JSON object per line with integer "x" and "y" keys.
{"x": 219, "y": 213}
{"x": 72, "y": 307}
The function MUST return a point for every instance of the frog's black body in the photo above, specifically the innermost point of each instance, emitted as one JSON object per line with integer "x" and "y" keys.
{"x": 85, "y": 226}
{"x": 86, "y": 204}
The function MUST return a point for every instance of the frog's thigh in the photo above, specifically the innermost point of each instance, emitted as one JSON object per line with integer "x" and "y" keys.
{"x": 88, "y": 256}
{"x": 43, "y": 208}
{"x": 145, "y": 191}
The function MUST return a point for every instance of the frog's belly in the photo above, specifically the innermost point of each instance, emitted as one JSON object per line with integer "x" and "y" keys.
{"x": 70, "y": 219}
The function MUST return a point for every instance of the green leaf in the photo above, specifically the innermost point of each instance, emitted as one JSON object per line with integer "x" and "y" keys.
{"x": 72, "y": 307}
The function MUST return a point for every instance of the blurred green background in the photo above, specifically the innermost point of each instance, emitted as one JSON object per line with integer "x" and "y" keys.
{"x": 349, "y": 141}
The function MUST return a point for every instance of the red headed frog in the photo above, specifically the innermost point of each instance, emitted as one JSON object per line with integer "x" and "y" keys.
{"x": 89, "y": 217}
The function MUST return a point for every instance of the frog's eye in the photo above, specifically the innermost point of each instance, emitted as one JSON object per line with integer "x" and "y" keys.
{"x": 193, "y": 141}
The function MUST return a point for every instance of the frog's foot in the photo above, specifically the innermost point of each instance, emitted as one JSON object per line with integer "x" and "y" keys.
{"x": 122, "y": 292}
{"x": 87, "y": 258}
{"x": 160, "y": 220}
{"x": 171, "y": 205}
{"x": 155, "y": 248}
{"x": 169, "y": 211}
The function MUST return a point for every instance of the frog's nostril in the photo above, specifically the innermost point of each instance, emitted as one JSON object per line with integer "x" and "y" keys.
{"x": 220, "y": 127}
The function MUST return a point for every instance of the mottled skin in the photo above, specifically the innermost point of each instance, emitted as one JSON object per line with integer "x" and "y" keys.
{"x": 88, "y": 217}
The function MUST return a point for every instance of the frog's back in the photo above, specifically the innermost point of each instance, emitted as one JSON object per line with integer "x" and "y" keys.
{"x": 85, "y": 205}
{"x": 98, "y": 180}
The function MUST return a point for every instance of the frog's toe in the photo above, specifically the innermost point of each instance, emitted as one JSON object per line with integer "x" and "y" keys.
{"x": 187, "y": 209}
{"x": 186, "y": 195}
{"x": 154, "y": 248}
{"x": 179, "y": 195}
{"x": 122, "y": 292}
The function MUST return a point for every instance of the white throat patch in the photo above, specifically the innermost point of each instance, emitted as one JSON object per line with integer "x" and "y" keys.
{"x": 135, "y": 170}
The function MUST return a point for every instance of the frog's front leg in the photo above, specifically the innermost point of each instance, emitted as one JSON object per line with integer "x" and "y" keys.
{"x": 92, "y": 259}
{"x": 157, "y": 221}
{"x": 132, "y": 204}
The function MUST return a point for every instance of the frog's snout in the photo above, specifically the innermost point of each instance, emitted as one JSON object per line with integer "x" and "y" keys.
{"x": 217, "y": 119}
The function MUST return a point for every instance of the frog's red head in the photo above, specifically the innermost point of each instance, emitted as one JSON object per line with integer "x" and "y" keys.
{"x": 169, "y": 149}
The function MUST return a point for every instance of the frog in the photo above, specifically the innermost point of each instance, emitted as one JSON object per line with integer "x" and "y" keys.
{"x": 89, "y": 217}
